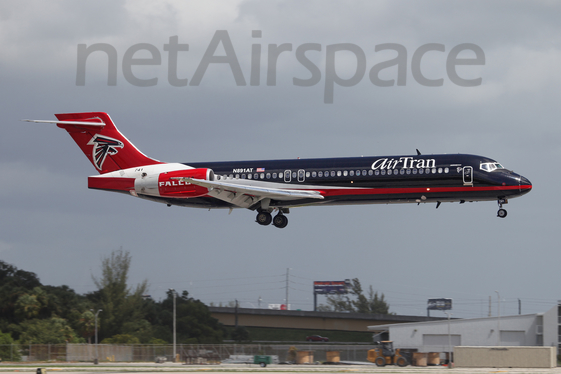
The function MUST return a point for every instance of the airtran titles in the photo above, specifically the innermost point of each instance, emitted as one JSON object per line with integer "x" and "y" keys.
{"x": 403, "y": 163}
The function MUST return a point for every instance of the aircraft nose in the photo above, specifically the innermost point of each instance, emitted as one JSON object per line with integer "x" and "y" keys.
{"x": 525, "y": 184}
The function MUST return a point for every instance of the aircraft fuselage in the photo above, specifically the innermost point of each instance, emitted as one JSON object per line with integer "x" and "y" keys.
{"x": 371, "y": 180}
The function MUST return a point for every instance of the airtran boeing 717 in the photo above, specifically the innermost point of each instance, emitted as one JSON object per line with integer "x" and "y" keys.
{"x": 274, "y": 186}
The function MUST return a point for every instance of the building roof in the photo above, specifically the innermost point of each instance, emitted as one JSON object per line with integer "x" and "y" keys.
{"x": 386, "y": 327}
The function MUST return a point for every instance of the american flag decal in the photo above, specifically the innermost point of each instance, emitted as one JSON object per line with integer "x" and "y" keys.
{"x": 260, "y": 170}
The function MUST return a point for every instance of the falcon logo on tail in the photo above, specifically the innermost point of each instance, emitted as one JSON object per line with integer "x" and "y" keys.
{"x": 103, "y": 146}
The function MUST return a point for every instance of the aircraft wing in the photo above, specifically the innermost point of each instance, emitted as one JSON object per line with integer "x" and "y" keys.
{"x": 246, "y": 196}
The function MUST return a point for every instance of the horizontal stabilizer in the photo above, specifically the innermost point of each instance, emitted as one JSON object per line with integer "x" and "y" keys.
{"x": 98, "y": 124}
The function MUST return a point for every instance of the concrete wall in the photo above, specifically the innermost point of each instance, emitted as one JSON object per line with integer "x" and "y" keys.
{"x": 505, "y": 357}
{"x": 550, "y": 328}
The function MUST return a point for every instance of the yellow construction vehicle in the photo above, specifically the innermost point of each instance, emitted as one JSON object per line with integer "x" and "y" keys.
{"x": 387, "y": 355}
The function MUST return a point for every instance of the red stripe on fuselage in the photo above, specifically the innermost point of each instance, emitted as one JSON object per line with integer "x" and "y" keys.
{"x": 416, "y": 190}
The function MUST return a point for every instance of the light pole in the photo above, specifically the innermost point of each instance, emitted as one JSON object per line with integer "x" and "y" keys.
{"x": 498, "y": 319}
{"x": 96, "y": 354}
{"x": 174, "y": 336}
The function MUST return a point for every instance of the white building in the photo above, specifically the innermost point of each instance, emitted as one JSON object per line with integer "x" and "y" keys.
{"x": 437, "y": 336}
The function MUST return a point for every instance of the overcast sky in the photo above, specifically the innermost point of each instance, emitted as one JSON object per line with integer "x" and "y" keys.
{"x": 51, "y": 224}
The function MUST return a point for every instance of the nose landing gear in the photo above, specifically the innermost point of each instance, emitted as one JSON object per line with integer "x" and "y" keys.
{"x": 502, "y": 212}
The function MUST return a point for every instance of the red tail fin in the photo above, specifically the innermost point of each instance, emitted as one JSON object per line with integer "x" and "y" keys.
{"x": 102, "y": 143}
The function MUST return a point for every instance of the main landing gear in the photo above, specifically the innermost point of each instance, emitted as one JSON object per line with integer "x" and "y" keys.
{"x": 502, "y": 212}
{"x": 265, "y": 218}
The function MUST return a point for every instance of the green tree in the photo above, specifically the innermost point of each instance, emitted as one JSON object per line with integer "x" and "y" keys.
{"x": 8, "y": 350}
{"x": 121, "y": 339}
{"x": 359, "y": 303}
{"x": 24, "y": 299}
{"x": 62, "y": 301}
{"x": 240, "y": 334}
{"x": 194, "y": 321}
{"x": 86, "y": 325}
{"x": 27, "y": 306}
{"x": 377, "y": 304}
{"x": 46, "y": 331}
{"x": 122, "y": 307}
{"x": 13, "y": 284}
{"x": 33, "y": 313}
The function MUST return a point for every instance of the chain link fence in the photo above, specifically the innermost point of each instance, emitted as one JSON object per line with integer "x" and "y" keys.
{"x": 187, "y": 353}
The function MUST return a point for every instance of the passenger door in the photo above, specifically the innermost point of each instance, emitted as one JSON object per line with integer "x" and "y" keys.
{"x": 287, "y": 176}
{"x": 468, "y": 175}
{"x": 301, "y": 175}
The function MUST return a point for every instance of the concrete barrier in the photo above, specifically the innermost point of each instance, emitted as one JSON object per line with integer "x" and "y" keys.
{"x": 505, "y": 357}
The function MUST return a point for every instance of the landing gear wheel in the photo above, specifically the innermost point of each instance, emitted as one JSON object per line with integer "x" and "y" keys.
{"x": 502, "y": 212}
{"x": 401, "y": 362}
{"x": 380, "y": 361}
{"x": 280, "y": 221}
{"x": 264, "y": 218}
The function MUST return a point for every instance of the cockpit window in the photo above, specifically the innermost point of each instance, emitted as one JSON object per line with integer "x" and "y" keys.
{"x": 490, "y": 166}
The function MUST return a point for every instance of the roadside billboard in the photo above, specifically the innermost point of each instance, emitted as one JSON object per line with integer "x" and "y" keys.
{"x": 439, "y": 304}
{"x": 332, "y": 287}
